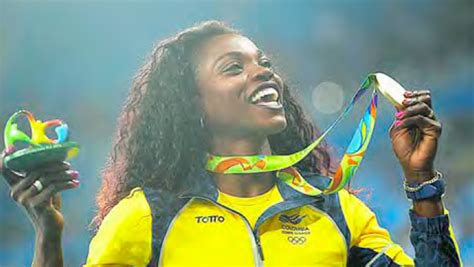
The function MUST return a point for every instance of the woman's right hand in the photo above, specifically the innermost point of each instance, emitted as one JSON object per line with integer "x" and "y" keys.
{"x": 42, "y": 206}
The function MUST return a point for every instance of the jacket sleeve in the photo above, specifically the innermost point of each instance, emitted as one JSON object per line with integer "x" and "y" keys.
{"x": 434, "y": 241}
{"x": 371, "y": 244}
{"x": 124, "y": 237}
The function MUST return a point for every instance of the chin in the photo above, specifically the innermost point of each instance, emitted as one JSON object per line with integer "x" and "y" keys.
{"x": 276, "y": 126}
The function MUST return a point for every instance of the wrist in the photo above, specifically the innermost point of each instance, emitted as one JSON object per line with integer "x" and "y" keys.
{"x": 429, "y": 208}
{"x": 48, "y": 250}
{"x": 433, "y": 188}
{"x": 48, "y": 238}
{"x": 419, "y": 176}
{"x": 48, "y": 229}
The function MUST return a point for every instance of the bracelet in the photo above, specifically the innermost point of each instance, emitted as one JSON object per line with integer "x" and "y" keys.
{"x": 409, "y": 188}
{"x": 433, "y": 188}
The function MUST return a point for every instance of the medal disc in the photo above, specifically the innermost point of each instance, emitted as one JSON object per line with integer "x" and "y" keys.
{"x": 390, "y": 89}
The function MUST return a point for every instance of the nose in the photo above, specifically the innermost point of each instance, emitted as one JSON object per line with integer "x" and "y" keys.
{"x": 263, "y": 73}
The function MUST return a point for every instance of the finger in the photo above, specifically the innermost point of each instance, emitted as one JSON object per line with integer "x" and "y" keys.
{"x": 23, "y": 185}
{"x": 427, "y": 126}
{"x": 417, "y": 109}
{"x": 417, "y": 97}
{"x": 48, "y": 178}
{"x": 45, "y": 180}
{"x": 415, "y": 93}
{"x": 10, "y": 176}
{"x": 54, "y": 167}
{"x": 47, "y": 193}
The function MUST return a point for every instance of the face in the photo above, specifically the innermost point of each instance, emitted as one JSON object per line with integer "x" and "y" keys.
{"x": 239, "y": 91}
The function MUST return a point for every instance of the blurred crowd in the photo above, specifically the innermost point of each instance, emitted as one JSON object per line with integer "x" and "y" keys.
{"x": 75, "y": 61}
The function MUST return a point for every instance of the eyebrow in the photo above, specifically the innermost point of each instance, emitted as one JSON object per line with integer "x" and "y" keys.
{"x": 236, "y": 54}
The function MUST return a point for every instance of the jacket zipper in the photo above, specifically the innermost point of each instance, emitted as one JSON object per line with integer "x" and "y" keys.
{"x": 254, "y": 234}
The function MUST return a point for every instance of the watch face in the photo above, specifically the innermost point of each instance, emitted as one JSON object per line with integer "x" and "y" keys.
{"x": 433, "y": 190}
{"x": 390, "y": 88}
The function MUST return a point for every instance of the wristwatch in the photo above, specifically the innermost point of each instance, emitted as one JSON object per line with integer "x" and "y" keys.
{"x": 433, "y": 188}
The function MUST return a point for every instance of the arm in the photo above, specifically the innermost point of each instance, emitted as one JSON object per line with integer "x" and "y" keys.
{"x": 415, "y": 135}
{"x": 48, "y": 251}
{"x": 432, "y": 238}
{"x": 42, "y": 205}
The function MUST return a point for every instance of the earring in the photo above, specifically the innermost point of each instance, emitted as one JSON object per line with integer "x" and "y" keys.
{"x": 201, "y": 120}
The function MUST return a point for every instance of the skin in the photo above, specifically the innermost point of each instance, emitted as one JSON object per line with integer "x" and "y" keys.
{"x": 237, "y": 128}
{"x": 230, "y": 68}
{"x": 43, "y": 208}
{"x": 416, "y": 152}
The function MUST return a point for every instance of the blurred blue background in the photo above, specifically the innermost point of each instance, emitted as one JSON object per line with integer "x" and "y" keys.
{"x": 75, "y": 61}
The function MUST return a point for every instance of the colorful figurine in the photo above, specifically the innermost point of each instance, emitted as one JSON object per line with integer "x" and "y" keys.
{"x": 41, "y": 149}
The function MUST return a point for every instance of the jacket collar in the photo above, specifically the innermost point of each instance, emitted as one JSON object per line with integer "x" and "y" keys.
{"x": 208, "y": 189}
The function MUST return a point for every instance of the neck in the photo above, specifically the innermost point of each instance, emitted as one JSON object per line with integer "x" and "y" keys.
{"x": 242, "y": 185}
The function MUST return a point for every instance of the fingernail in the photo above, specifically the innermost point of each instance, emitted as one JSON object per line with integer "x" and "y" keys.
{"x": 399, "y": 114}
{"x": 408, "y": 93}
{"x": 397, "y": 123}
{"x": 406, "y": 101}
{"x": 73, "y": 174}
{"x": 9, "y": 150}
{"x": 75, "y": 182}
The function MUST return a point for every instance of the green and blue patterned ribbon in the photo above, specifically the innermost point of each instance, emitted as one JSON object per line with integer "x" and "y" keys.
{"x": 350, "y": 161}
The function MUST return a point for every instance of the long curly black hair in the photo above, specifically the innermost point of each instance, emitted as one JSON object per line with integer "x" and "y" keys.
{"x": 160, "y": 140}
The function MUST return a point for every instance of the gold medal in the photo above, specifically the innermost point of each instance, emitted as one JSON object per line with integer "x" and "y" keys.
{"x": 390, "y": 89}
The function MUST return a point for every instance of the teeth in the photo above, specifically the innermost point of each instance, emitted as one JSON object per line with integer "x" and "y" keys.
{"x": 272, "y": 104}
{"x": 265, "y": 92}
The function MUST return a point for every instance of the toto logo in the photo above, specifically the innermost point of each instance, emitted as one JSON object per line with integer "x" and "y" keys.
{"x": 297, "y": 240}
{"x": 210, "y": 219}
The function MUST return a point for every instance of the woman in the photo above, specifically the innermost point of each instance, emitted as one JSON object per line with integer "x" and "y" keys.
{"x": 199, "y": 94}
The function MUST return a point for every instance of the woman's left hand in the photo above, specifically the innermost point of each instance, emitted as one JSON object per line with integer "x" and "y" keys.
{"x": 415, "y": 135}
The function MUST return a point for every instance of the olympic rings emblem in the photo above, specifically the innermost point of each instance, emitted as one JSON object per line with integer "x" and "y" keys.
{"x": 295, "y": 240}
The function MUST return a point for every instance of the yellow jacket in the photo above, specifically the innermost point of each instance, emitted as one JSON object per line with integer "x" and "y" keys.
{"x": 291, "y": 230}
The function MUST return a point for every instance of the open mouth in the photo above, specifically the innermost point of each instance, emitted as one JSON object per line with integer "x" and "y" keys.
{"x": 266, "y": 97}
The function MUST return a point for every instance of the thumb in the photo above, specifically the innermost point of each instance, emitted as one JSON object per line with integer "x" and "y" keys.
{"x": 10, "y": 176}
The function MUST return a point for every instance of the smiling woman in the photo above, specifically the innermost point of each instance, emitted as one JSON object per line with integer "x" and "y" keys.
{"x": 240, "y": 92}
{"x": 211, "y": 90}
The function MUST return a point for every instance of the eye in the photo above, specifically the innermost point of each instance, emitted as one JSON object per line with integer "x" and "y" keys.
{"x": 266, "y": 63}
{"x": 234, "y": 68}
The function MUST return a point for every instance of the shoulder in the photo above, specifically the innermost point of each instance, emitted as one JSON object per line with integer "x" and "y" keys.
{"x": 132, "y": 211}
{"x": 124, "y": 236}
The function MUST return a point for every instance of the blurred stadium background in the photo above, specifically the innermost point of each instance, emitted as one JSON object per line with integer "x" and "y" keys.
{"x": 74, "y": 60}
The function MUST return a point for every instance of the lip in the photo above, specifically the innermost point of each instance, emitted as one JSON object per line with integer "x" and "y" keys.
{"x": 267, "y": 84}
{"x": 277, "y": 107}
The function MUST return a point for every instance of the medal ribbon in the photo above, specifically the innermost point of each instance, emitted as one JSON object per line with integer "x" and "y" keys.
{"x": 282, "y": 163}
